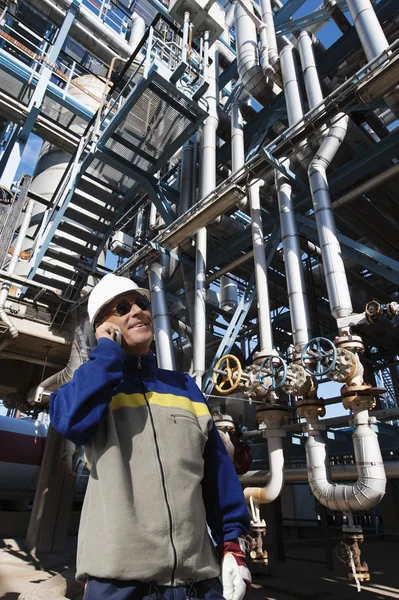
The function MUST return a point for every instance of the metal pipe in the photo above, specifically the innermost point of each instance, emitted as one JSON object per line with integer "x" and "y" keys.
{"x": 311, "y": 78}
{"x": 10, "y": 271}
{"x": 299, "y": 313}
{"x": 334, "y": 270}
{"x": 237, "y": 138}
{"x": 365, "y": 187}
{"x": 338, "y": 473}
{"x": 82, "y": 342}
{"x": 248, "y": 65}
{"x": 186, "y": 178}
{"x": 275, "y": 484}
{"x": 372, "y": 38}
{"x": 186, "y": 26}
{"x": 262, "y": 292}
{"x": 207, "y": 185}
{"x": 293, "y": 100}
{"x": 160, "y": 315}
{"x": 370, "y": 32}
{"x": 369, "y": 488}
{"x": 268, "y": 19}
{"x": 230, "y": 267}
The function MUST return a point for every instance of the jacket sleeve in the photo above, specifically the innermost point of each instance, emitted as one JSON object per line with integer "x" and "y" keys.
{"x": 226, "y": 509}
{"x": 79, "y": 405}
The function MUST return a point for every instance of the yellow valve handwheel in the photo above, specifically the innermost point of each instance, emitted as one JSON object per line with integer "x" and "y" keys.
{"x": 230, "y": 373}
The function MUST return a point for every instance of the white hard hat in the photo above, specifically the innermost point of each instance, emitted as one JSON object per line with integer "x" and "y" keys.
{"x": 111, "y": 287}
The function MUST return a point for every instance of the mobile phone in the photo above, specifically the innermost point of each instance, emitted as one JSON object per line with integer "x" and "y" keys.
{"x": 118, "y": 337}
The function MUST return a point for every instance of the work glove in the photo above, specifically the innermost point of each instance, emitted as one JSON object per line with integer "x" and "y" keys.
{"x": 236, "y": 577}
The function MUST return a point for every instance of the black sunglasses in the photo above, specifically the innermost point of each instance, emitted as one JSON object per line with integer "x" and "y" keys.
{"x": 123, "y": 307}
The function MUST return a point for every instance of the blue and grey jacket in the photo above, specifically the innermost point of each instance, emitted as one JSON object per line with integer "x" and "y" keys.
{"x": 159, "y": 471}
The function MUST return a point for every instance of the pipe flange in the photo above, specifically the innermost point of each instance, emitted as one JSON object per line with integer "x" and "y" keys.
{"x": 350, "y": 342}
{"x": 260, "y": 356}
{"x": 356, "y": 390}
{"x": 268, "y": 412}
{"x": 314, "y": 405}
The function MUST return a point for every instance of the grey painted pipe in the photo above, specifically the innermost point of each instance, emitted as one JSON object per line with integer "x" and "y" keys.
{"x": 369, "y": 488}
{"x": 267, "y": 18}
{"x": 262, "y": 292}
{"x": 334, "y": 270}
{"x": 186, "y": 178}
{"x": 299, "y": 313}
{"x": 293, "y": 100}
{"x": 160, "y": 315}
{"x": 368, "y": 27}
{"x": 372, "y": 38}
{"x": 207, "y": 185}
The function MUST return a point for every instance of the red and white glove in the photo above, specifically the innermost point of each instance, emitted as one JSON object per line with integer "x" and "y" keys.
{"x": 236, "y": 577}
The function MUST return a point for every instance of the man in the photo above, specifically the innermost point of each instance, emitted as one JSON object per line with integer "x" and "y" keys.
{"x": 159, "y": 470}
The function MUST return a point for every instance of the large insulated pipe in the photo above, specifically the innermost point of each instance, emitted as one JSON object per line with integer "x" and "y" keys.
{"x": 262, "y": 292}
{"x": 297, "y": 297}
{"x": 207, "y": 185}
{"x": 309, "y": 69}
{"x": 293, "y": 99}
{"x": 372, "y": 38}
{"x": 248, "y": 64}
{"x": 268, "y": 19}
{"x": 369, "y": 30}
{"x": 10, "y": 270}
{"x": 160, "y": 314}
{"x": 334, "y": 270}
{"x": 369, "y": 488}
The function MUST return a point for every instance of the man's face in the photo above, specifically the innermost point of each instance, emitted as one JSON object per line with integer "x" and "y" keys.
{"x": 133, "y": 319}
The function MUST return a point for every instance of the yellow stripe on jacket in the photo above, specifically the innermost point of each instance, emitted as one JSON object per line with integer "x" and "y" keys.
{"x": 167, "y": 400}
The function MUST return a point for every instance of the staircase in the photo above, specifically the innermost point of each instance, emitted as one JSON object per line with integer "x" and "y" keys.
{"x": 101, "y": 182}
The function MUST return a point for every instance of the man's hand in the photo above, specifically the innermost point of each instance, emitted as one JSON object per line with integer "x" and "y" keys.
{"x": 236, "y": 577}
{"x": 106, "y": 330}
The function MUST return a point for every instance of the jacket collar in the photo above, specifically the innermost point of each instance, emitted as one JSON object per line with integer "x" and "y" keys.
{"x": 144, "y": 363}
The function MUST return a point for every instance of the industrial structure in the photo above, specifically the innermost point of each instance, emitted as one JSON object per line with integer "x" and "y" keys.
{"x": 244, "y": 168}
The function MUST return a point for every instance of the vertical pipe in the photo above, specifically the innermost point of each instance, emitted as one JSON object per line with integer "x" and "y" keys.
{"x": 310, "y": 75}
{"x": 334, "y": 270}
{"x": 160, "y": 315}
{"x": 186, "y": 178}
{"x": 297, "y": 298}
{"x": 292, "y": 93}
{"x": 237, "y": 138}
{"x": 186, "y": 26}
{"x": 207, "y": 185}
{"x": 268, "y": 19}
{"x": 262, "y": 293}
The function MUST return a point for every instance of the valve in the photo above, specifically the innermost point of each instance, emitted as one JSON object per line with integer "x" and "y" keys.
{"x": 276, "y": 370}
{"x": 322, "y": 353}
{"x": 254, "y": 544}
{"x": 231, "y": 373}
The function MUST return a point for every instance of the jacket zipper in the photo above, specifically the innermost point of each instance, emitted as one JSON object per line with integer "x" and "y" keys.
{"x": 172, "y": 578}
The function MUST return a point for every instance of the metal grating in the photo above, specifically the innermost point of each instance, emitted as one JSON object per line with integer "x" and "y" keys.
{"x": 63, "y": 116}
{"x": 110, "y": 176}
{"x": 15, "y": 88}
{"x": 156, "y": 120}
